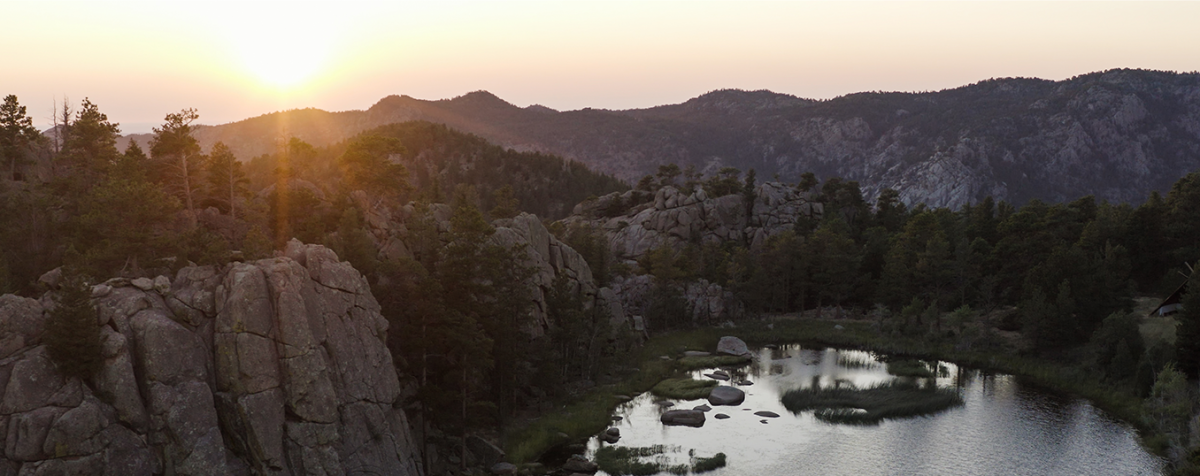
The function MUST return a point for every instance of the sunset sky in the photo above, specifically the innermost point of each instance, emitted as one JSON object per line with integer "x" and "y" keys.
{"x": 233, "y": 60}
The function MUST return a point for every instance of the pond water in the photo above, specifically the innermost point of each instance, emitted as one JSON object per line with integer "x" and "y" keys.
{"x": 1004, "y": 427}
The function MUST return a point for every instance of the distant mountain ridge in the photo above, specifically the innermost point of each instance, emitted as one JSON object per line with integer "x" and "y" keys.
{"x": 1116, "y": 134}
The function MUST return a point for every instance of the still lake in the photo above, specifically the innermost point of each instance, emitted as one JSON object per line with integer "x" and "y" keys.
{"x": 1005, "y": 427}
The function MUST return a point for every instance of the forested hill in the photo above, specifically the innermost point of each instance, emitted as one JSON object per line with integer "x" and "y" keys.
{"x": 1116, "y": 135}
{"x": 438, "y": 159}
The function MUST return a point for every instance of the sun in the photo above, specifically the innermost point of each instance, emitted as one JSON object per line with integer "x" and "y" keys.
{"x": 282, "y": 53}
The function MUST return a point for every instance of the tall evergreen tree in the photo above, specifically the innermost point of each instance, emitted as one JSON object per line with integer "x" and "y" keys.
{"x": 16, "y": 134}
{"x": 226, "y": 179}
{"x": 178, "y": 154}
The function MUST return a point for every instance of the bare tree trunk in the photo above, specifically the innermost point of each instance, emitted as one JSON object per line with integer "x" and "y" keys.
{"x": 232, "y": 212}
{"x": 187, "y": 190}
{"x": 424, "y": 404}
{"x": 462, "y": 462}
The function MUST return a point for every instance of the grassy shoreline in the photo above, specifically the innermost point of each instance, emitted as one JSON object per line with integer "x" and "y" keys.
{"x": 590, "y": 413}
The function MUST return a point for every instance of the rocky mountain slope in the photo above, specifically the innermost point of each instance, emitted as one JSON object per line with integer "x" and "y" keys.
{"x": 278, "y": 366}
{"x": 675, "y": 218}
{"x": 1116, "y": 134}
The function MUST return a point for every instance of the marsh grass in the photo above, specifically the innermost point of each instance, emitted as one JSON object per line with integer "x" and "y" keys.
{"x": 710, "y": 361}
{"x": 581, "y": 416}
{"x": 869, "y": 406}
{"x": 684, "y": 388}
{"x": 910, "y": 368}
{"x": 704, "y": 465}
{"x": 624, "y": 460}
{"x": 856, "y": 362}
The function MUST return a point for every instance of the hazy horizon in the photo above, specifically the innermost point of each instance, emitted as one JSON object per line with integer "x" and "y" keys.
{"x": 231, "y": 61}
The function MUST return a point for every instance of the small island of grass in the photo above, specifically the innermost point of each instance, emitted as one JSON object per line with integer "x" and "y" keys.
{"x": 711, "y": 361}
{"x": 624, "y": 460}
{"x": 869, "y": 406}
{"x": 685, "y": 388}
{"x": 910, "y": 368}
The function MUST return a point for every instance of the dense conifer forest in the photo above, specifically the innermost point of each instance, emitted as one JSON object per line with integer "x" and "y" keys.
{"x": 1055, "y": 281}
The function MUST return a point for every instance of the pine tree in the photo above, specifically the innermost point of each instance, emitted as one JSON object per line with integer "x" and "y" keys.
{"x": 16, "y": 134}
{"x": 91, "y": 146}
{"x": 1187, "y": 340}
{"x": 178, "y": 154}
{"x": 225, "y": 176}
{"x": 73, "y": 332}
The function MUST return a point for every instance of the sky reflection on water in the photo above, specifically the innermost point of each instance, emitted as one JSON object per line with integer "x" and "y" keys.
{"x": 1004, "y": 427}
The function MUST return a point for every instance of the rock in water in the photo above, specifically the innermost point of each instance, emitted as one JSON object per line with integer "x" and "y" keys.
{"x": 683, "y": 418}
{"x": 721, "y": 416}
{"x": 767, "y": 414}
{"x": 730, "y": 345}
{"x": 724, "y": 395}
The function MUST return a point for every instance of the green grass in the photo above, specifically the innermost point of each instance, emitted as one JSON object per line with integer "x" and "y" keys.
{"x": 710, "y": 361}
{"x": 582, "y": 416}
{"x": 869, "y": 406}
{"x": 910, "y": 368}
{"x": 684, "y": 388}
{"x": 1158, "y": 329}
{"x": 704, "y": 465}
{"x": 628, "y": 460}
{"x": 624, "y": 460}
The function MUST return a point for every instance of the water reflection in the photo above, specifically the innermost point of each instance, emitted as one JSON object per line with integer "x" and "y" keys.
{"x": 1003, "y": 428}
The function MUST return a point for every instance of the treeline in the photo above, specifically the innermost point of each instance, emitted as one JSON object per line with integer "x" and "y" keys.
{"x": 70, "y": 197}
{"x": 1065, "y": 267}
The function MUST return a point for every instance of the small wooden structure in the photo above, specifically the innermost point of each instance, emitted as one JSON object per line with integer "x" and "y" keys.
{"x": 1174, "y": 303}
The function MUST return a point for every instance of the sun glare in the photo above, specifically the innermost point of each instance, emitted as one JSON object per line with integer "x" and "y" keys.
{"x": 283, "y": 53}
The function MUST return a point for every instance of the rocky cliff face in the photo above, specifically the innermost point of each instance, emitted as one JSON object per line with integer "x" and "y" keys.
{"x": 546, "y": 254}
{"x": 279, "y": 366}
{"x": 675, "y": 219}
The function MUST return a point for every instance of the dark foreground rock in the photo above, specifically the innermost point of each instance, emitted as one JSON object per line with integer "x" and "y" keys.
{"x": 579, "y": 464}
{"x": 683, "y": 418}
{"x": 275, "y": 367}
{"x": 723, "y": 395}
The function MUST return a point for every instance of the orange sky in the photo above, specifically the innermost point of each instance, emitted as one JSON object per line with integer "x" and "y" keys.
{"x": 232, "y": 60}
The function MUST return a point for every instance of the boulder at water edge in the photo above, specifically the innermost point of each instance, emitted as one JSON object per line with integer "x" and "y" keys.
{"x": 683, "y": 418}
{"x": 724, "y": 395}
{"x": 730, "y": 345}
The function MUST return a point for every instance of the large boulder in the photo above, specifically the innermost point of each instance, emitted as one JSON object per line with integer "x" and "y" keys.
{"x": 725, "y": 395}
{"x": 730, "y": 345}
{"x": 683, "y": 418}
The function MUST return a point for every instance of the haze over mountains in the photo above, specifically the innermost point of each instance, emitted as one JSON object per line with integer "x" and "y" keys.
{"x": 1116, "y": 135}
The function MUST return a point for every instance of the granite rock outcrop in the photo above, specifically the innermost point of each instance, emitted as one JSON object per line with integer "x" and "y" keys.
{"x": 277, "y": 366}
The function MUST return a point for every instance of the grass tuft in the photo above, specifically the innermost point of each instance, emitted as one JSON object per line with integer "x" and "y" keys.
{"x": 869, "y": 406}
{"x": 710, "y": 361}
{"x": 625, "y": 460}
{"x": 704, "y": 465}
{"x": 910, "y": 368}
{"x": 685, "y": 388}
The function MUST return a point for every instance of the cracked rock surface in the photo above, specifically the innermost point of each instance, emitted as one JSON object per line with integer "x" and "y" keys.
{"x": 278, "y": 366}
